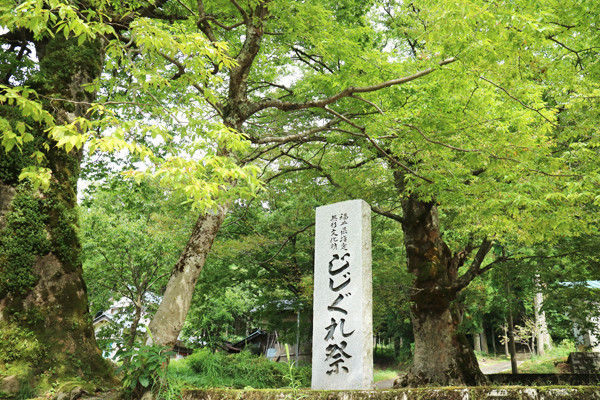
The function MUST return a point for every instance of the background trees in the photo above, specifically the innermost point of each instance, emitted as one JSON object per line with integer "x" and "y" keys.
{"x": 132, "y": 237}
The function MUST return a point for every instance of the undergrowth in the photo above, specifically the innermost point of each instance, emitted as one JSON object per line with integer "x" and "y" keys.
{"x": 548, "y": 363}
{"x": 204, "y": 369}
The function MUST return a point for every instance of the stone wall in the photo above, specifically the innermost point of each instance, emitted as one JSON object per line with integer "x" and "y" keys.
{"x": 584, "y": 362}
{"x": 450, "y": 393}
{"x": 544, "y": 379}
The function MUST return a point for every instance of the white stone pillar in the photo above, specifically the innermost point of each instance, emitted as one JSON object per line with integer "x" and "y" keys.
{"x": 342, "y": 314}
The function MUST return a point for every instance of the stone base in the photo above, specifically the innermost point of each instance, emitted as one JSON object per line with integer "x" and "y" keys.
{"x": 584, "y": 362}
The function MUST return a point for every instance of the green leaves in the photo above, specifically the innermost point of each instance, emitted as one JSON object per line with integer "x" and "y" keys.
{"x": 38, "y": 176}
{"x": 19, "y": 97}
{"x": 145, "y": 366}
{"x": 40, "y": 17}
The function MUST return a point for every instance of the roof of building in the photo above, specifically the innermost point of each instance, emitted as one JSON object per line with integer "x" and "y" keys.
{"x": 593, "y": 284}
{"x": 236, "y": 347}
{"x": 101, "y": 317}
{"x": 590, "y": 284}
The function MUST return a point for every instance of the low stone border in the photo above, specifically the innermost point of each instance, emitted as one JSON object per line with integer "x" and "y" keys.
{"x": 544, "y": 379}
{"x": 450, "y": 393}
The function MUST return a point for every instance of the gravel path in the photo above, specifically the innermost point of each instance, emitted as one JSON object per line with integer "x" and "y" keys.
{"x": 503, "y": 365}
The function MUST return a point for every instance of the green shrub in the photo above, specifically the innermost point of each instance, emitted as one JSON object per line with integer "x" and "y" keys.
{"x": 206, "y": 369}
{"x": 144, "y": 370}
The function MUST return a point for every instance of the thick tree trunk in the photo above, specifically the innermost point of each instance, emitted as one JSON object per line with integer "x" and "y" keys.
{"x": 170, "y": 317}
{"x": 45, "y": 324}
{"x": 442, "y": 354}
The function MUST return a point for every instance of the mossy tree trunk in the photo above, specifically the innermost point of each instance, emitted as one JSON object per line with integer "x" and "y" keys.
{"x": 442, "y": 354}
{"x": 45, "y": 325}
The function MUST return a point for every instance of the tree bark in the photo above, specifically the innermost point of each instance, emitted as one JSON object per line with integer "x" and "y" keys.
{"x": 548, "y": 340}
{"x": 511, "y": 342}
{"x": 442, "y": 354}
{"x": 484, "y": 344}
{"x": 494, "y": 339}
{"x": 505, "y": 329}
{"x": 135, "y": 323}
{"x": 43, "y": 298}
{"x": 170, "y": 316}
{"x": 543, "y": 338}
{"x": 477, "y": 342}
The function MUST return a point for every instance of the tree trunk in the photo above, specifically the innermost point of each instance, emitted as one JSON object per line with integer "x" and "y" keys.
{"x": 484, "y": 344}
{"x": 547, "y": 339}
{"x": 477, "y": 342}
{"x": 505, "y": 329}
{"x": 494, "y": 340}
{"x": 44, "y": 316}
{"x": 170, "y": 317}
{"x": 442, "y": 354}
{"x": 543, "y": 338}
{"x": 511, "y": 342}
{"x": 134, "y": 323}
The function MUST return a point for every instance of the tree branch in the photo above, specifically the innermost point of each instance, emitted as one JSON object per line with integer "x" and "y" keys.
{"x": 286, "y": 171}
{"x": 475, "y": 270}
{"x": 388, "y": 214}
{"x": 292, "y": 138}
{"x": 218, "y": 23}
{"x": 368, "y": 102}
{"x": 569, "y": 49}
{"x": 375, "y": 209}
{"x": 289, "y": 106}
{"x": 157, "y": 278}
{"x": 242, "y": 11}
{"x": 393, "y": 160}
{"x": 519, "y": 101}
{"x": 264, "y": 84}
{"x": 186, "y": 7}
{"x": 300, "y": 53}
{"x": 180, "y": 66}
{"x": 202, "y": 23}
{"x": 440, "y": 143}
{"x": 286, "y": 242}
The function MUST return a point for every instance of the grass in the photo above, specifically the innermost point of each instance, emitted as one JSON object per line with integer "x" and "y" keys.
{"x": 488, "y": 359}
{"x": 204, "y": 369}
{"x": 549, "y": 363}
{"x": 548, "y": 366}
{"x": 385, "y": 364}
{"x": 553, "y": 362}
{"x": 383, "y": 375}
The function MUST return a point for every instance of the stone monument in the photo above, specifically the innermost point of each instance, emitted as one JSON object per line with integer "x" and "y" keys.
{"x": 342, "y": 356}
